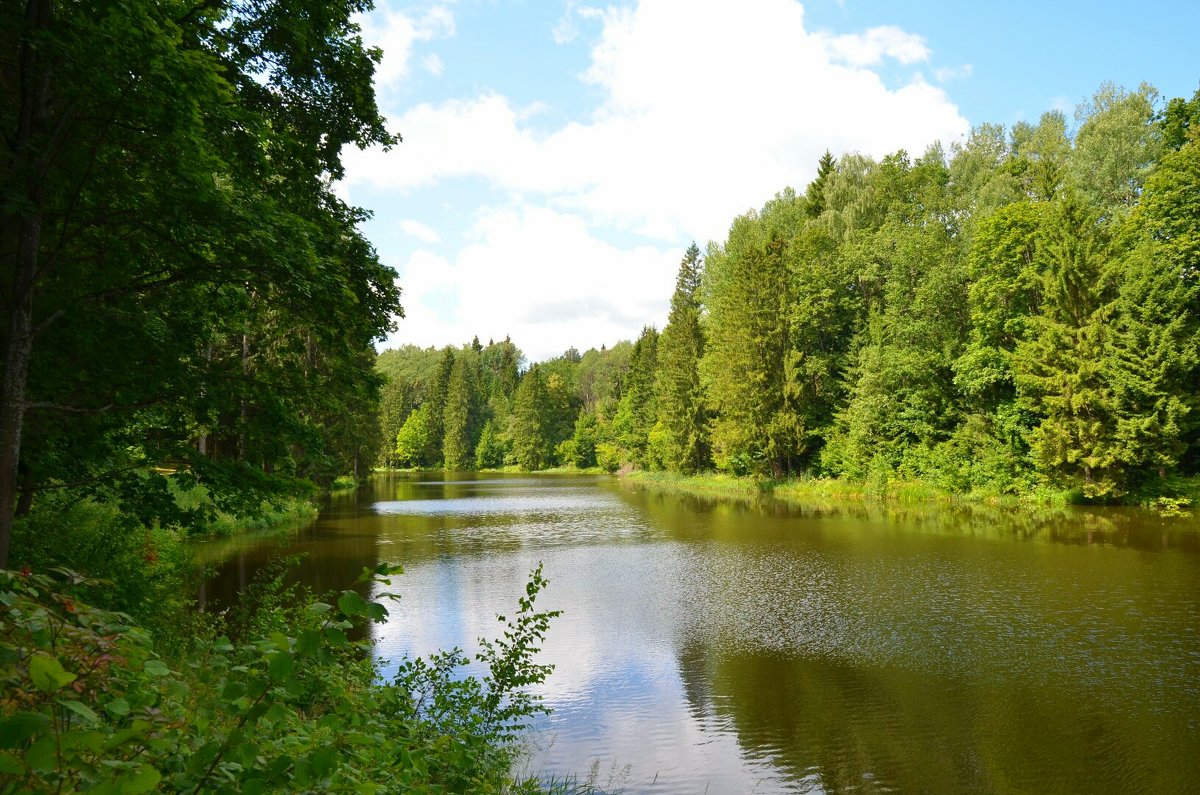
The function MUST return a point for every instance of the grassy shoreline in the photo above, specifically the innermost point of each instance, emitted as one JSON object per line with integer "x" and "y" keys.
{"x": 817, "y": 492}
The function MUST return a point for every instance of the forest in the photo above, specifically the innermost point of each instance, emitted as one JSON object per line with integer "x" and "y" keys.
{"x": 188, "y": 318}
{"x": 1014, "y": 314}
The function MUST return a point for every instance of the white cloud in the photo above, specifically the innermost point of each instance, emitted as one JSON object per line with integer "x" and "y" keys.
{"x": 872, "y": 46}
{"x": 538, "y": 275}
{"x": 959, "y": 72}
{"x": 397, "y": 33}
{"x": 420, "y": 231}
{"x": 707, "y": 110}
{"x": 433, "y": 64}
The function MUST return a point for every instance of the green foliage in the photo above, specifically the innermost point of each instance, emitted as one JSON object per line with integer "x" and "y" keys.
{"x": 414, "y": 441}
{"x": 172, "y": 178}
{"x": 746, "y": 294}
{"x": 532, "y": 422}
{"x": 462, "y": 412}
{"x": 635, "y": 411}
{"x": 489, "y": 453}
{"x": 285, "y": 702}
{"x": 146, "y": 566}
{"x": 679, "y": 396}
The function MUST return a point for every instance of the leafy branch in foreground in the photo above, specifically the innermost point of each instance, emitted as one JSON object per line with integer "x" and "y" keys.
{"x": 291, "y": 703}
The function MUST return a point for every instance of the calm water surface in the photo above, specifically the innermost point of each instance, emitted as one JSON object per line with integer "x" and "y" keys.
{"x": 725, "y": 647}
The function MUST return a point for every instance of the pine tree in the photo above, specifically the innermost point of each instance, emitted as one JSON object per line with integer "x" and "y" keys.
{"x": 635, "y": 412}
{"x": 436, "y": 400}
{"x": 460, "y": 414}
{"x": 678, "y": 392}
{"x": 530, "y": 422}
{"x": 1154, "y": 359}
{"x": 746, "y": 296}
{"x": 815, "y": 193}
{"x": 1059, "y": 369}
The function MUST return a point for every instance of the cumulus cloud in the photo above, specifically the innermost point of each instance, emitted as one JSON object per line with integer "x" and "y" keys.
{"x": 419, "y": 231}
{"x": 709, "y": 109}
{"x": 539, "y": 276}
{"x": 706, "y": 110}
{"x": 397, "y": 33}
{"x": 949, "y": 73}
{"x": 872, "y": 46}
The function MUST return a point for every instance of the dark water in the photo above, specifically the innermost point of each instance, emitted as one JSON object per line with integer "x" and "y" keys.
{"x": 725, "y": 647}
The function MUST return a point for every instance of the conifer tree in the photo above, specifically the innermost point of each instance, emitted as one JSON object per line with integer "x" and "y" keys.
{"x": 815, "y": 192}
{"x": 743, "y": 366}
{"x": 1059, "y": 369}
{"x": 461, "y": 413}
{"x": 531, "y": 421}
{"x": 1154, "y": 359}
{"x": 678, "y": 392}
{"x": 436, "y": 400}
{"x": 635, "y": 413}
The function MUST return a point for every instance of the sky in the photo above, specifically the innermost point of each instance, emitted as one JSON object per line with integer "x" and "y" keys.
{"x": 559, "y": 156}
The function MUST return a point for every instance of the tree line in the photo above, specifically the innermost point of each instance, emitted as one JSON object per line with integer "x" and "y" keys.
{"x": 1016, "y": 312}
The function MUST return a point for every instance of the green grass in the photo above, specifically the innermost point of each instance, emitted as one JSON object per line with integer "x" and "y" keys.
{"x": 823, "y": 491}
{"x": 342, "y": 484}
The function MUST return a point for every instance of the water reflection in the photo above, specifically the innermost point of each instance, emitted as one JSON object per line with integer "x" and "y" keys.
{"x": 751, "y": 646}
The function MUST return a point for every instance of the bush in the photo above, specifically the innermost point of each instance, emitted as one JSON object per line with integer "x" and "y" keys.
{"x": 145, "y": 567}
{"x": 286, "y": 703}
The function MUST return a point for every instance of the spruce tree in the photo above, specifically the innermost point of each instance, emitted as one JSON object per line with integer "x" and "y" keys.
{"x": 743, "y": 366}
{"x": 531, "y": 423}
{"x": 436, "y": 400}
{"x": 678, "y": 392}
{"x": 635, "y": 412}
{"x": 815, "y": 192}
{"x": 460, "y": 414}
{"x": 1059, "y": 369}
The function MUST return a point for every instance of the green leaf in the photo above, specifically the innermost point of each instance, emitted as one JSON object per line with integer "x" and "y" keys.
{"x": 335, "y": 636}
{"x": 18, "y": 728}
{"x": 118, "y": 707}
{"x": 280, "y": 640}
{"x": 280, "y": 666}
{"x": 10, "y": 765}
{"x": 48, "y": 674}
{"x": 323, "y": 760}
{"x": 377, "y": 612}
{"x": 43, "y": 754}
{"x": 351, "y": 604}
{"x": 308, "y": 642}
{"x": 319, "y": 608}
{"x": 80, "y": 709}
{"x": 233, "y": 690}
{"x": 144, "y": 779}
{"x": 279, "y": 765}
{"x": 156, "y": 668}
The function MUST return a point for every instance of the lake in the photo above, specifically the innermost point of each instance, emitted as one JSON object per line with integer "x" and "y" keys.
{"x": 723, "y": 646}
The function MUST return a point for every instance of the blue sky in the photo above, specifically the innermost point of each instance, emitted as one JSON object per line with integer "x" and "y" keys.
{"x": 558, "y": 157}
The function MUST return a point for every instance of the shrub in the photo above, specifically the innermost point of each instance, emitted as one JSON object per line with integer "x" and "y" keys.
{"x": 288, "y": 703}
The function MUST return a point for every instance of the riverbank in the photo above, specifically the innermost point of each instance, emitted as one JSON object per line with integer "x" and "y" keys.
{"x": 889, "y": 492}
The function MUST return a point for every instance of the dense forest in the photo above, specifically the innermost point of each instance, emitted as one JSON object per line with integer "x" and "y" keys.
{"x": 188, "y": 319}
{"x": 183, "y": 293}
{"x": 1017, "y": 313}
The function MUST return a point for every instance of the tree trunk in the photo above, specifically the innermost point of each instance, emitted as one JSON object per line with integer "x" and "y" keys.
{"x": 27, "y": 172}
{"x": 243, "y": 412}
{"x": 28, "y": 483}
